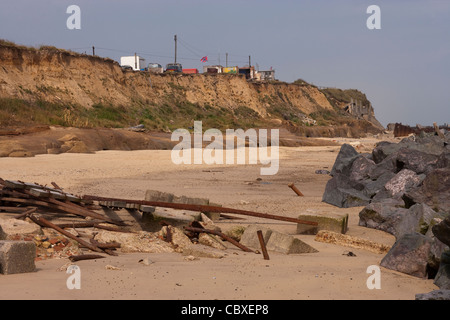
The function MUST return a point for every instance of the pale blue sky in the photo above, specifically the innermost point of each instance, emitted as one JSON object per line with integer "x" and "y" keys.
{"x": 404, "y": 68}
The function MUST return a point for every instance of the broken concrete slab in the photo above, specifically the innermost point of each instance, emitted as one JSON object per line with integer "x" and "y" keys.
{"x": 275, "y": 241}
{"x": 10, "y": 228}
{"x": 350, "y": 241}
{"x": 17, "y": 256}
{"x": 334, "y": 222}
{"x": 250, "y": 238}
{"x": 287, "y": 244}
{"x": 212, "y": 241}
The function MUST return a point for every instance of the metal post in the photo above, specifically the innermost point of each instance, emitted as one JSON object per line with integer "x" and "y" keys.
{"x": 93, "y": 50}
{"x": 175, "y": 38}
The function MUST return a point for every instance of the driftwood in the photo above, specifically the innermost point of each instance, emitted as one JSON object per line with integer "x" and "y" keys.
{"x": 85, "y": 257}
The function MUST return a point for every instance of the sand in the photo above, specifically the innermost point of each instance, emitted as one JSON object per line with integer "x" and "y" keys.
{"x": 328, "y": 274}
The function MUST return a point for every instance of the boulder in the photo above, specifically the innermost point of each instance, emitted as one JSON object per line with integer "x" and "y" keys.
{"x": 387, "y": 216}
{"x": 437, "y": 295}
{"x": 340, "y": 191}
{"x": 434, "y": 191}
{"x": 344, "y": 160}
{"x": 416, "y": 161}
{"x": 409, "y": 255}
{"x": 442, "y": 231}
{"x": 402, "y": 182}
{"x": 361, "y": 168}
{"x": 442, "y": 279}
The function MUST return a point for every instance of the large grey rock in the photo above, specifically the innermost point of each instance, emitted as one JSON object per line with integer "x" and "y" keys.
{"x": 344, "y": 160}
{"x": 409, "y": 255}
{"x": 434, "y": 191}
{"x": 387, "y": 216}
{"x": 361, "y": 168}
{"x": 437, "y": 295}
{"x": 383, "y": 149}
{"x": 17, "y": 256}
{"x": 442, "y": 279}
{"x": 402, "y": 182}
{"x": 442, "y": 231}
{"x": 344, "y": 193}
{"x": 417, "y": 161}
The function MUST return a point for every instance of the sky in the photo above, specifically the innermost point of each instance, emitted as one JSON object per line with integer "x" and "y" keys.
{"x": 403, "y": 68}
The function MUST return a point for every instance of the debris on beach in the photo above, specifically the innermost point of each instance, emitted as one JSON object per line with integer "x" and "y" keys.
{"x": 63, "y": 225}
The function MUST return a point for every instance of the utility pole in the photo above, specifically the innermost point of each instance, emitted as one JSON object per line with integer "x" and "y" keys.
{"x": 93, "y": 50}
{"x": 175, "y": 38}
{"x": 135, "y": 61}
{"x": 226, "y": 55}
{"x": 249, "y": 61}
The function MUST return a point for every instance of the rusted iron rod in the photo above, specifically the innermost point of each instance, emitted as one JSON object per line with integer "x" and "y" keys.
{"x": 90, "y": 224}
{"x": 45, "y": 223}
{"x": 26, "y": 213}
{"x": 263, "y": 245}
{"x": 220, "y": 234}
{"x": 202, "y": 208}
{"x": 298, "y": 192}
{"x": 85, "y": 257}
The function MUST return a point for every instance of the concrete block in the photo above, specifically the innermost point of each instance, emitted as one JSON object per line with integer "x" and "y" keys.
{"x": 287, "y": 244}
{"x": 17, "y": 256}
{"x": 154, "y": 195}
{"x": 250, "y": 237}
{"x": 9, "y": 228}
{"x": 173, "y": 217}
{"x": 332, "y": 222}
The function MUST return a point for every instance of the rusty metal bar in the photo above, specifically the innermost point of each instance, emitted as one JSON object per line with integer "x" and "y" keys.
{"x": 263, "y": 245}
{"x": 45, "y": 223}
{"x": 220, "y": 234}
{"x": 203, "y": 208}
{"x": 85, "y": 257}
{"x": 293, "y": 187}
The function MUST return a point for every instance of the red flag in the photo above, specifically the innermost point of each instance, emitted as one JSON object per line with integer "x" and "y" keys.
{"x": 204, "y": 59}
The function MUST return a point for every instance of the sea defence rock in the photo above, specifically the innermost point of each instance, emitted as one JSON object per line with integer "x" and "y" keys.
{"x": 409, "y": 255}
{"x": 333, "y": 222}
{"x": 437, "y": 295}
{"x": 442, "y": 279}
{"x": 17, "y": 257}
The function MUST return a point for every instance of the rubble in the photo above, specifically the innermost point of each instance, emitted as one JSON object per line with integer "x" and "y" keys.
{"x": 327, "y": 236}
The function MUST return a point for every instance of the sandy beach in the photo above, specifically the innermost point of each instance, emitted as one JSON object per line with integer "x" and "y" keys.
{"x": 328, "y": 274}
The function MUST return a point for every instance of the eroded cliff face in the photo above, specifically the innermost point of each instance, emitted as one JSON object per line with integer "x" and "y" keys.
{"x": 81, "y": 81}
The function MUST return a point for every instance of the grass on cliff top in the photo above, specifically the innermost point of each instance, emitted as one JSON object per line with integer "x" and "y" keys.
{"x": 18, "y": 112}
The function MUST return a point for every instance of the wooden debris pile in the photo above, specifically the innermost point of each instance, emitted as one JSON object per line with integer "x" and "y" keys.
{"x": 51, "y": 207}
{"x": 33, "y": 201}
